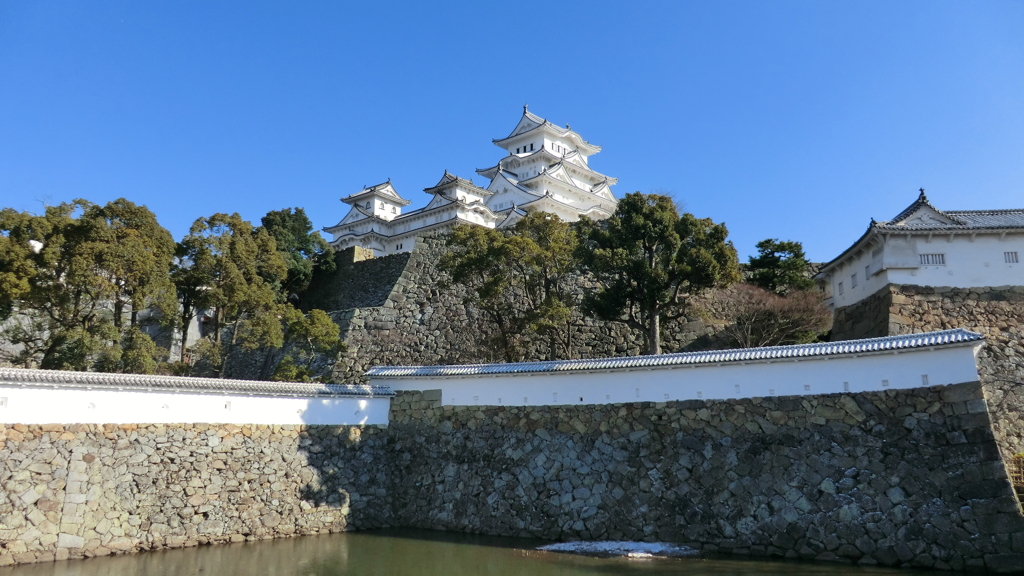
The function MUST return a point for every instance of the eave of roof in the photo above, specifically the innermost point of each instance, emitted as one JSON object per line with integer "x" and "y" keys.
{"x": 550, "y": 198}
{"x": 67, "y": 380}
{"x": 888, "y": 344}
{"x": 583, "y": 191}
{"x": 446, "y": 183}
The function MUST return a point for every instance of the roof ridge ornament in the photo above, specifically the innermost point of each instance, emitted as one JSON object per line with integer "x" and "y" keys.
{"x": 525, "y": 106}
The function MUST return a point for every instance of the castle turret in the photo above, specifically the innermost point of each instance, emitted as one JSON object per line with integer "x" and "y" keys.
{"x": 380, "y": 200}
{"x": 547, "y": 168}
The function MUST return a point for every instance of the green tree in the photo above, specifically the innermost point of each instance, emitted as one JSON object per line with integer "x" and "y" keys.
{"x": 133, "y": 253}
{"x": 301, "y": 248}
{"x": 310, "y": 336}
{"x": 648, "y": 260}
{"x": 74, "y": 274}
{"x": 227, "y": 265}
{"x": 519, "y": 278}
{"x": 780, "y": 267}
{"x": 477, "y": 260}
{"x": 19, "y": 239}
{"x": 542, "y": 253}
{"x": 136, "y": 353}
{"x": 62, "y": 318}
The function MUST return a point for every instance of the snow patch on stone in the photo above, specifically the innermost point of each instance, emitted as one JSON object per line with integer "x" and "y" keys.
{"x": 621, "y": 548}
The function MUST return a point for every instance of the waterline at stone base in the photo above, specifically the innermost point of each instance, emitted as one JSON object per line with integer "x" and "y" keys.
{"x": 629, "y": 549}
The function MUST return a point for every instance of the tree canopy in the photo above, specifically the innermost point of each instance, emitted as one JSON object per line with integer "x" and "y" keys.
{"x": 780, "y": 267}
{"x": 228, "y": 265}
{"x": 519, "y": 279}
{"x": 73, "y": 274}
{"x": 300, "y": 247}
{"x": 648, "y": 260}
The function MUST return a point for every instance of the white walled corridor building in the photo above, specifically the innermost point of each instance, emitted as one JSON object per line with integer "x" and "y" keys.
{"x": 925, "y": 246}
{"x": 547, "y": 169}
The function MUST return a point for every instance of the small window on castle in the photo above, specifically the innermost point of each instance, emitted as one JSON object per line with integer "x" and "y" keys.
{"x": 367, "y": 205}
{"x": 531, "y": 147}
{"x": 867, "y": 272}
{"x": 840, "y": 288}
{"x": 853, "y": 281}
{"x": 394, "y": 210}
{"x": 933, "y": 259}
{"x": 1011, "y": 257}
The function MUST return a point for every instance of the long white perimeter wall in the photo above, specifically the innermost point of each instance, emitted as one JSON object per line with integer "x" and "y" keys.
{"x": 570, "y": 382}
{"x": 56, "y": 397}
{"x": 48, "y": 406}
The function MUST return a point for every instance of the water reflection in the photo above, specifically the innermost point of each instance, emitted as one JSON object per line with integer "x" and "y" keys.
{"x": 407, "y": 552}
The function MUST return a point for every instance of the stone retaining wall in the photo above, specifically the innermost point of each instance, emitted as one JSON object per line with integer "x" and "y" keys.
{"x": 998, "y": 313}
{"x": 901, "y": 477}
{"x": 87, "y": 490}
{"x": 909, "y": 477}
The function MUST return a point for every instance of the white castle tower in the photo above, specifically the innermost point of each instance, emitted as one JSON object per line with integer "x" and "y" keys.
{"x": 546, "y": 169}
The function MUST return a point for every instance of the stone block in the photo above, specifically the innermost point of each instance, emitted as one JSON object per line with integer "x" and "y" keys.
{"x": 1004, "y": 563}
{"x": 69, "y": 541}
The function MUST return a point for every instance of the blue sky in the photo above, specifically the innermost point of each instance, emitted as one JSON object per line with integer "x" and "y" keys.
{"x": 794, "y": 120}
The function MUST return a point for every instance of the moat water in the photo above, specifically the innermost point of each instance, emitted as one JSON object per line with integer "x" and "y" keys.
{"x": 412, "y": 553}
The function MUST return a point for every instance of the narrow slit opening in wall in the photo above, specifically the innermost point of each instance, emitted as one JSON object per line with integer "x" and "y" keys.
{"x": 807, "y": 387}
{"x": 607, "y": 396}
{"x": 737, "y": 388}
{"x": 476, "y": 398}
{"x": 3, "y": 402}
{"x": 666, "y": 396}
{"x": 924, "y": 379}
{"x": 637, "y": 392}
{"x": 499, "y": 400}
{"x": 700, "y": 394}
{"x": 771, "y": 391}
{"x": 846, "y": 386}
{"x": 581, "y": 398}
{"x": 227, "y": 405}
{"x": 885, "y": 383}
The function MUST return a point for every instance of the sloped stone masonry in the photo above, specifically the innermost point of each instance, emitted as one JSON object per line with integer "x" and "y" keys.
{"x": 410, "y": 314}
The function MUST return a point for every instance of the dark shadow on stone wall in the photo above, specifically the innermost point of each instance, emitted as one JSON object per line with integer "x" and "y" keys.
{"x": 905, "y": 477}
{"x": 995, "y": 312}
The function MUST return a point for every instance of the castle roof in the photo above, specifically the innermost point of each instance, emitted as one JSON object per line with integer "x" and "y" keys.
{"x": 530, "y": 122}
{"x": 383, "y": 190}
{"x": 448, "y": 180}
{"x": 921, "y": 215}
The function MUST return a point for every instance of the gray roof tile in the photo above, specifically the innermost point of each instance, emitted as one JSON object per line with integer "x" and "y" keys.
{"x": 929, "y": 339}
{"x": 24, "y": 378}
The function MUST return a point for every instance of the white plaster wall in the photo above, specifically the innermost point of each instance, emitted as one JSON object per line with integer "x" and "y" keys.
{"x": 969, "y": 264}
{"x": 63, "y": 406}
{"x": 907, "y": 369}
